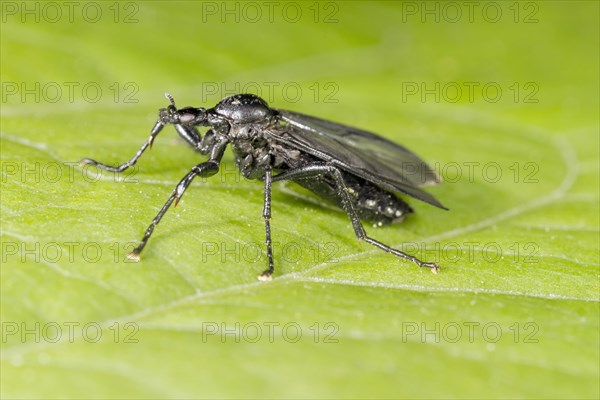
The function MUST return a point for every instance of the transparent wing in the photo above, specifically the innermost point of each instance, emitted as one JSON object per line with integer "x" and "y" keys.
{"x": 359, "y": 152}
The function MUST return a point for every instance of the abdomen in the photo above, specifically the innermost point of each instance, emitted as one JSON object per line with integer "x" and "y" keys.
{"x": 371, "y": 202}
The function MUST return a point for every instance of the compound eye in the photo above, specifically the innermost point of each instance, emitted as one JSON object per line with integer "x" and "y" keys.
{"x": 189, "y": 115}
{"x": 186, "y": 118}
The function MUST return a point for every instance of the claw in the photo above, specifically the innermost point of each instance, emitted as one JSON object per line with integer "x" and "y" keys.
{"x": 434, "y": 267}
{"x": 265, "y": 277}
{"x": 87, "y": 161}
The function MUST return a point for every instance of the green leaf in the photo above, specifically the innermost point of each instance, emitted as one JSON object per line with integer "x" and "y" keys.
{"x": 504, "y": 106}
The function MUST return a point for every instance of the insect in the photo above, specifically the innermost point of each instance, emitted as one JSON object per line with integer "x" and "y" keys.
{"x": 355, "y": 169}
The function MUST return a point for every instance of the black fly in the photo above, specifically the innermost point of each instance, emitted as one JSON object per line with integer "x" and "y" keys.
{"x": 355, "y": 169}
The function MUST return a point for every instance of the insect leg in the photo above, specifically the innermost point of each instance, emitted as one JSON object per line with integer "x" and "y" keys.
{"x": 148, "y": 143}
{"x": 204, "y": 169}
{"x": 266, "y": 275}
{"x": 319, "y": 169}
{"x": 190, "y": 134}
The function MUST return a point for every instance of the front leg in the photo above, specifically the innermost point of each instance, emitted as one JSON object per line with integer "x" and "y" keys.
{"x": 204, "y": 169}
{"x": 148, "y": 143}
{"x": 185, "y": 121}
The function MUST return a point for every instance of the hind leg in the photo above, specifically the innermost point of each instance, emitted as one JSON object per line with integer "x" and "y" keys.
{"x": 347, "y": 202}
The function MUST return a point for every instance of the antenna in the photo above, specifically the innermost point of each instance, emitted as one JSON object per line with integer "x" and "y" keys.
{"x": 171, "y": 99}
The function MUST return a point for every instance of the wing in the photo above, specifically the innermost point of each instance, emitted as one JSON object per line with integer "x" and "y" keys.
{"x": 359, "y": 152}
